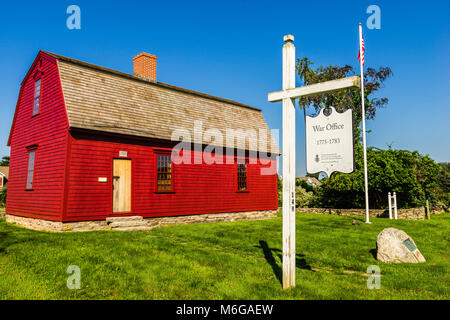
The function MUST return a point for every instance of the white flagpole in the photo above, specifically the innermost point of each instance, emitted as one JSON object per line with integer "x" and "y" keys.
{"x": 366, "y": 180}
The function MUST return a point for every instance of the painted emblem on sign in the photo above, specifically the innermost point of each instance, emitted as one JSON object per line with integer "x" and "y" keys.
{"x": 329, "y": 142}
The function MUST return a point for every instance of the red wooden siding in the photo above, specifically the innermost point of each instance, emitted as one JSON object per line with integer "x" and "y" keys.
{"x": 47, "y": 130}
{"x": 197, "y": 189}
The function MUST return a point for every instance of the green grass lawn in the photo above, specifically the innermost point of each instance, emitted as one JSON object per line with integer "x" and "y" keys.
{"x": 232, "y": 260}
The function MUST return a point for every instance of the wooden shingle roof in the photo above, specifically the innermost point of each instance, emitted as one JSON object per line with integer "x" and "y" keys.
{"x": 106, "y": 100}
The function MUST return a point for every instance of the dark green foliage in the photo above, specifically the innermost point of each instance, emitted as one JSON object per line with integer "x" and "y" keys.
{"x": 408, "y": 173}
{"x": 3, "y": 197}
{"x": 443, "y": 188}
{"x": 305, "y": 185}
{"x": 4, "y": 162}
{"x": 304, "y": 193}
{"x": 280, "y": 191}
{"x": 343, "y": 99}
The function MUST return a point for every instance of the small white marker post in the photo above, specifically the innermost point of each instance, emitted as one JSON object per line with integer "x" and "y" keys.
{"x": 395, "y": 206}
{"x": 390, "y": 205}
{"x": 288, "y": 96}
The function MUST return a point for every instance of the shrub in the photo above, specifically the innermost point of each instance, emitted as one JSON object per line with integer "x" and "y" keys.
{"x": 408, "y": 173}
{"x": 3, "y": 197}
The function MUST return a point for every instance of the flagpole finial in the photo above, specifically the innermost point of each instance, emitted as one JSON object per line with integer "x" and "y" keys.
{"x": 288, "y": 38}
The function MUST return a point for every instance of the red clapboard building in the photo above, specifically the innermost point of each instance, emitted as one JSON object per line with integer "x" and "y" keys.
{"x": 88, "y": 143}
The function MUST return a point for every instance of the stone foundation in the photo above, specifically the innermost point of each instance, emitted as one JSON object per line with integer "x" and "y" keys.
{"x": 407, "y": 214}
{"x": 55, "y": 226}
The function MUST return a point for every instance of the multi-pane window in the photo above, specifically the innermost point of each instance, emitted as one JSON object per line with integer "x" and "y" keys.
{"x": 242, "y": 176}
{"x": 30, "y": 173}
{"x": 164, "y": 172}
{"x": 37, "y": 96}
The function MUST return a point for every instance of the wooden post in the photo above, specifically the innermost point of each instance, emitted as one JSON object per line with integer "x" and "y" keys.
{"x": 390, "y": 205}
{"x": 428, "y": 210}
{"x": 288, "y": 165}
{"x": 395, "y": 206}
{"x": 287, "y": 96}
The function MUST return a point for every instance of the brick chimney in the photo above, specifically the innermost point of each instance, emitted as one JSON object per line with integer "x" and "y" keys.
{"x": 144, "y": 65}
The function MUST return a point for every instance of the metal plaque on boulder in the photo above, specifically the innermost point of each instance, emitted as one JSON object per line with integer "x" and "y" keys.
{"x": 410, "y": 245}
{"x": 329, "y": 142}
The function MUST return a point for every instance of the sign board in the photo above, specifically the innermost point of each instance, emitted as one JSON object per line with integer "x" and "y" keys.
{"x": 329, "y": 142}
{"x": 123, "y": 154}
{"x": 410, "y": 245}
{"x": 102, "y": 179}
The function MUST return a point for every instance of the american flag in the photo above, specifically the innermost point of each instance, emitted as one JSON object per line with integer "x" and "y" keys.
{"x": 359, "y": 53}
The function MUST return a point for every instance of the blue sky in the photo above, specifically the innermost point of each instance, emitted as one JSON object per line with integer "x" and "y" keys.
{"x": 232, "y": 49}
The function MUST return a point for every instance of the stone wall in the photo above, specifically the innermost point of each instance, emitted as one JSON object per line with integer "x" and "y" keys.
{"x": 54, "y": 226}
{"x": 409, "y": 214}
{"x": 216, "y": 217}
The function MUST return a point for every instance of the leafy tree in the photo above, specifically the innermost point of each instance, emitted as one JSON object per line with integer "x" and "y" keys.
{"x": 305, "y": 185}
{"x": 4, "y": 162}
{"x": 443, "y": 182}
{"x": 304, "y": 193}
{"x": 303, "y": 197}
{"x": 408, "y": 173}
{"x": 347, "y": 98}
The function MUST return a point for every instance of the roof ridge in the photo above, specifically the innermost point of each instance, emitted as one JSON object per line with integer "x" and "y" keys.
{"x": 151, "y": 82}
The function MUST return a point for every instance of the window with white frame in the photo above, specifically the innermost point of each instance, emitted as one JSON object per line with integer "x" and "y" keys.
{"x": 37, "y": 96}
{"x": 164, "y": 181}
{"x": 30, "y": 172}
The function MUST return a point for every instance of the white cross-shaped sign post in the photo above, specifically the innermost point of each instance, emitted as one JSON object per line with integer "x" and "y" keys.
{"x": 287, "y": 95}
